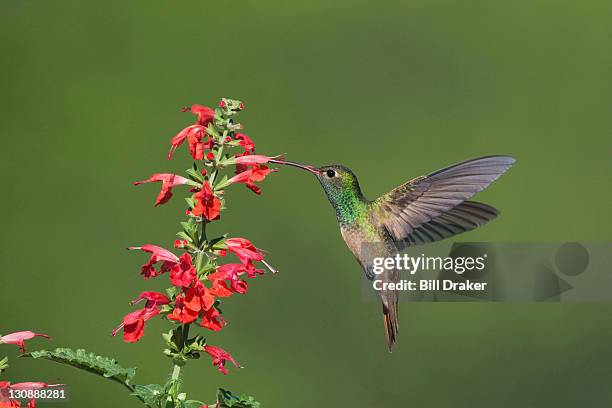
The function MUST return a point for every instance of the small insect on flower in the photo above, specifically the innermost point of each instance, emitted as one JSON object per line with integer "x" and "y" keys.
{"x": 19, "y": 338}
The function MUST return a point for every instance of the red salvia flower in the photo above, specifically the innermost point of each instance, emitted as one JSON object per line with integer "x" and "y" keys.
{"x": 198, "y": 297}
{"x": 219, "y": 289}
{"x": 197, "y": 139}
{"x": 181, "y": 312}
{"x": 168, "y": 181}
{"x": 183, "y": 273}
{"x": 188, "y": 307}
{"x": 180, "y": 243}
{"x": 154, "y": 299}
{"x": 220, "y": 357}
{"x": 7, "y": 402}
{"x": 244, "y": 249}
{"x": 19, "y": 338}
{"x": 204, "y": 113}
{"x": 158, "y": 254}
{"x": 245, "y": 141}
{"x": 212, "y": 320}
{"x": 207, "y": 204}
{"x": 250, "y": 176}
{"x": 231, "y": 273}
{"x": 133, "y": 324}
{"x": 252, "y": 159}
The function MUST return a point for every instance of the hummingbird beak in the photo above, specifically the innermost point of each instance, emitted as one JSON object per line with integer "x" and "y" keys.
{"x": 306, "y": 167}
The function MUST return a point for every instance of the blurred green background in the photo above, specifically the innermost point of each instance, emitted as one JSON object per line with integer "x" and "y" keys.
{"x": 90, "y": 93}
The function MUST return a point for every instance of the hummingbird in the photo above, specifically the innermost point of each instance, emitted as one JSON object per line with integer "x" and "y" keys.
{"x": 423, "y": 210}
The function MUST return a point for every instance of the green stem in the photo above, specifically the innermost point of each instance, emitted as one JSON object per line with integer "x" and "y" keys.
{"x": 213, "y": 175}
{"x": 176, "y": 373}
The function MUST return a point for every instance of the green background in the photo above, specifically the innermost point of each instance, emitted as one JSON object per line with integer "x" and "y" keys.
{"x": 90, "y": 93}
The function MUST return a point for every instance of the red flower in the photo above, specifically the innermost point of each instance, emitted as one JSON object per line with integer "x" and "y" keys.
{"x": 181, "y": 312}
{"x": 244, "y": 249}
{"x": 219, "y": 289}
{"x": 250, "y": 176}
{"x": 133, "y": 324}
{"x": 231, "y": 273}
{"x": 188, "y": 307}
{"x": 197, "y": 139}
{"x": 19, "y": 337}
{"x": 198, "y": 297}
{"x": 178, "y": 243}
{"x": 183, "y": 273}
{"x": 154, "y": 299}
{"x": 252, "y": 159}
{"x": 212, "y": 320}
{"x": 245, "y": 141}
{"x": 158, "y": 254}
{"x": 7, "y": 402}
{"x": 168, "y": 181}
{"x": 207, "y": 204}
{"x": 204, "y": 113}
{"x": 220, "y": 357}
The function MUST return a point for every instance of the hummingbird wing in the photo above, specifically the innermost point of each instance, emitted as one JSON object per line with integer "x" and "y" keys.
{"x": 407, "y": 211}
{"x": 464, "y": 217}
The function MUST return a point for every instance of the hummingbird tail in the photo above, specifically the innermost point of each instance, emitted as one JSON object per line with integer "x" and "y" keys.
{"x": 391, "y": 324}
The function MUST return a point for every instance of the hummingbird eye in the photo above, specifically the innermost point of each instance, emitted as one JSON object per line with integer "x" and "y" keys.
{"x": 330, "y": 173}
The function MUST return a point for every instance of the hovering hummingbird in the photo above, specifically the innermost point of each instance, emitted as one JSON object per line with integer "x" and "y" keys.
{"x": 423, "y": 210}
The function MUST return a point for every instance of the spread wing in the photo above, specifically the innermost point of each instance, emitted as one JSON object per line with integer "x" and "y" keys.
{"x": 464, "y": 217}
{"x": 410, "y": 211}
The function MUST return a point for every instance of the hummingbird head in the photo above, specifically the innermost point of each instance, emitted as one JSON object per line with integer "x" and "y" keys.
{"x": 339, "y": 182}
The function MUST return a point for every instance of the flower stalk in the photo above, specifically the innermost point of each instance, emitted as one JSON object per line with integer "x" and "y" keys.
{"x": 198, "y": 282}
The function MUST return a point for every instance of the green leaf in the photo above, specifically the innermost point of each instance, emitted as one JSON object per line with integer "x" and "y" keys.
{"x": 183, "y": 235}
{"x": 193, "y": 404}
{"x": 190, "y": 227}
{"x": 227, "y": 399}
{"x": 211, "y": 130}
{"x": 195, "y": 175}
{"x": 221, "y": 183}
{"x": 104, "y": 366}
{"x": 150, "y": 394}
{"x": 172, "y": 291}
{"x": 4, "y": 364}
{"x": 191, "y": 202}
{"x": 213, "y": 242}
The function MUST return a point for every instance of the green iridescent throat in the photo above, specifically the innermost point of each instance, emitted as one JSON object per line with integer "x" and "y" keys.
{"x": 349, "y": 203}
